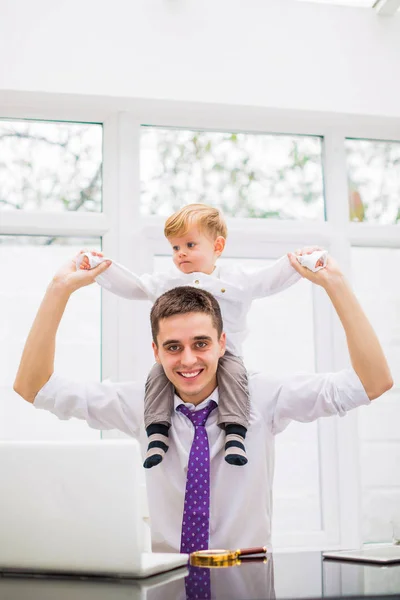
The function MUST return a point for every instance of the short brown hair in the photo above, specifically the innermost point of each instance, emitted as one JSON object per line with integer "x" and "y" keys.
{"x": 182, "y": 300}
{"x": 209, "y": 220}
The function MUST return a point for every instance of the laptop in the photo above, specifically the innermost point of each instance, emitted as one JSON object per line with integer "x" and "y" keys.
{"x": 77, "y": 508}
{"x": 375, "y": 554}
{"x": 64, "y": 587}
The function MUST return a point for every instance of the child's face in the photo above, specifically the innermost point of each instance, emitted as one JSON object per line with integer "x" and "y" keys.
{"x": 195, "y": 251}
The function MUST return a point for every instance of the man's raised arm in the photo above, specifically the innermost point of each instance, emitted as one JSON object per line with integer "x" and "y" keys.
{"x": 366, "y": 354}
{"x": 37, "y": 362}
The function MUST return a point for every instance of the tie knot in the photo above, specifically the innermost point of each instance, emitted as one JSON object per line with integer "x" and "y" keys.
{"x": 198, "y": 417}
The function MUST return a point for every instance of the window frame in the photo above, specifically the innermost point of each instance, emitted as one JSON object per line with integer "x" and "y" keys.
{"x": 122, "y": 228}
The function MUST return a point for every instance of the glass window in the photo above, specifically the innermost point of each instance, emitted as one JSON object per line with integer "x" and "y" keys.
{"x": 50, "y": 166}
{"x": 279, "y": 342}
{"x": 373, "y": 169}
{"x": 27, "y": 265}
{"x": 246, "y": 175}
{"x": 376, "y": 278}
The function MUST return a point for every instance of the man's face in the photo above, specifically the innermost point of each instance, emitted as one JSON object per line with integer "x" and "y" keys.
{"x": 188, "y": 349}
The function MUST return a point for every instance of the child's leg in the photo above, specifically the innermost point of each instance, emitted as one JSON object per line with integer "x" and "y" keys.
{"x": 158, "y": 405}
{"x": 233, "y": 407}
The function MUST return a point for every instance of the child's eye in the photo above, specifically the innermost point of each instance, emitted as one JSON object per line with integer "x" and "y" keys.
{"x": 191, "y": 245}
{"x": 175, "y": 248}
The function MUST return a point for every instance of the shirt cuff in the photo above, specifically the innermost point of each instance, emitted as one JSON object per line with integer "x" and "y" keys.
{"x": 351, "y": 389}
{"x": 45, "y": 398}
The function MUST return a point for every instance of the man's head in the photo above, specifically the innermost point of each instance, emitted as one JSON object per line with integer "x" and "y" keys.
{"x": 197, "y": 234}
{"x": 186, "y": 325}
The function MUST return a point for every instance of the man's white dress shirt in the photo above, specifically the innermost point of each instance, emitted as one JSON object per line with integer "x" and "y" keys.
{"x": 234, "y": 286}
{"x": 241, "y": 498}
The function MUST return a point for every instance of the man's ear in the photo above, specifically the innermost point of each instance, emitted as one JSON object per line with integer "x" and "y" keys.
{"x": 222, "y": 343}
{"x": 155, "y": 351}
{"x": 219, "y": 245}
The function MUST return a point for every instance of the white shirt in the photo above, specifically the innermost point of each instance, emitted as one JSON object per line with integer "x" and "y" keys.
{"x": 241, "y": 497}
{"x": 233, "y": 286}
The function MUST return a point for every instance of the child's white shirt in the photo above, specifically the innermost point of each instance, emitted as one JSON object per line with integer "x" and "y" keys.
{"x": 232, "y": 285}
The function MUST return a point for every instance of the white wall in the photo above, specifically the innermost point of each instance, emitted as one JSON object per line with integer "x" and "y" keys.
{"x": 273, "y": 53}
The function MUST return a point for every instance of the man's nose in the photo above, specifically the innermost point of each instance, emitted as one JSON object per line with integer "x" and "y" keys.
{"x": 188, "y": 358}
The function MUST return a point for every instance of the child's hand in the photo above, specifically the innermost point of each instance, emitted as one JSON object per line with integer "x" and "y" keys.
{"x": 85, "y": 263}
{"x": 309, "y": 250}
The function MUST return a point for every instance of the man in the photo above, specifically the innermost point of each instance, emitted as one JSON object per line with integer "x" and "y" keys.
{"x": 234, "y": 509}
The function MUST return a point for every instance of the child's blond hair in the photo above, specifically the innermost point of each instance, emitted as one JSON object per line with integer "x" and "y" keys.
{"x": 209, "y": 220}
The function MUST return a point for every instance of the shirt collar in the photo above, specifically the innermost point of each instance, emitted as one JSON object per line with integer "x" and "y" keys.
{"x": 213, "y": 396}
{"x": 175, "y": 271}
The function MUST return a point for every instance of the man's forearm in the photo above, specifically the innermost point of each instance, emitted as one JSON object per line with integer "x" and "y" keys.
{"x": 367, "y": 357}
{"x": 37, "y": 362}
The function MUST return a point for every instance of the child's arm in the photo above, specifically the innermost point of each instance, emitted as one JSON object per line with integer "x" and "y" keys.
{"x": 281, "y": 275}
{"x": 118, "y": 279}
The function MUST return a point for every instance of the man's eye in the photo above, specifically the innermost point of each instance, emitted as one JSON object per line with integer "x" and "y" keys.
{"x": 201, "y": 344}
{"x": 173, "y": 348}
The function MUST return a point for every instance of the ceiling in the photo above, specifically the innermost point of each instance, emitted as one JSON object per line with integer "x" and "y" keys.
{"x": 363, "y": 3}
{"x": 388, "y": 7}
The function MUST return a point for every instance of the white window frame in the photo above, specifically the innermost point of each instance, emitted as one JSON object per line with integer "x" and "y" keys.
{"x": 124, "y": 231}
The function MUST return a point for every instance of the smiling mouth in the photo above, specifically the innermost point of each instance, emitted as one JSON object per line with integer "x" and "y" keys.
{"x": 190, "y": 375}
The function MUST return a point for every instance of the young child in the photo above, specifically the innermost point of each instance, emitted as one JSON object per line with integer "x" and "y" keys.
{"x": 197, "y": 234}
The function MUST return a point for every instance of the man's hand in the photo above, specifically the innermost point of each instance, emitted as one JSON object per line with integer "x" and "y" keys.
{"x": 70, "y": 278}
{"x": 323, "y": 277}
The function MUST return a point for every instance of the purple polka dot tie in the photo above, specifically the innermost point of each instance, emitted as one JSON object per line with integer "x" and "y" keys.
{"x": 196, "y": 510}
{"x": 198, "y": 584}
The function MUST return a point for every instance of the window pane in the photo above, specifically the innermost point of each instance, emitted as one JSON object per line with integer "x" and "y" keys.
{"x": 50, "y": 166}
{"x": 27, "y": 265}
{"x": 373, "y": 170}
{"x": 246, "y": 175}
{"x": 279, "y": 343}
{"x": 376, "y": 279}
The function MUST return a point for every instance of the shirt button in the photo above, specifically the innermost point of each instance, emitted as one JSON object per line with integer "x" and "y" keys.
{"x": 197, "y": 282}
{"x": 223, "y": 290}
